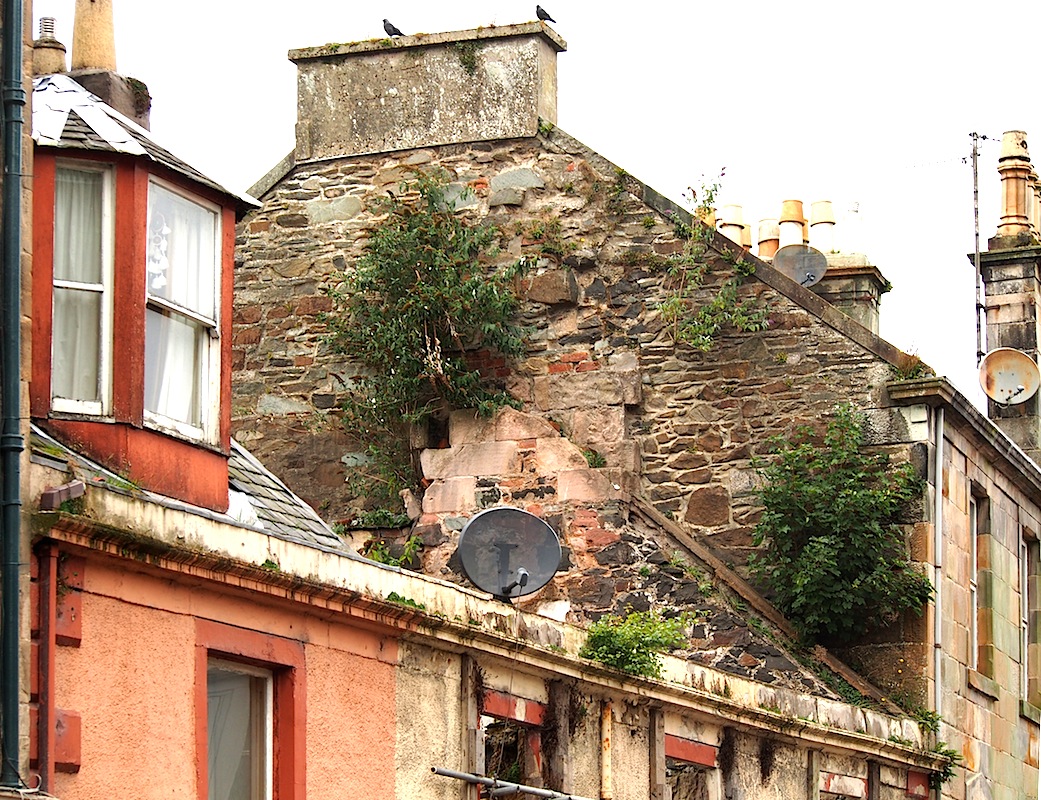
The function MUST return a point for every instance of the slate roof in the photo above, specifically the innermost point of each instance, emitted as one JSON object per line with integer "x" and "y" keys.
{"x": 68, "y": 116}
{"x": 258, "y": 500}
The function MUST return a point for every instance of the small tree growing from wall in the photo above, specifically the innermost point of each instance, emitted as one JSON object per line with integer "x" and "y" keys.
{"x": 425, "y": 292}
{"x": 831, "y": 548}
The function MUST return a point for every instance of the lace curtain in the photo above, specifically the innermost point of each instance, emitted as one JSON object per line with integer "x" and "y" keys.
{"x": 181, "y": 275}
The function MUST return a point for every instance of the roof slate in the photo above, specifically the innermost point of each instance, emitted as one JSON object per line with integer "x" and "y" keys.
{"x": 263, "y": 502}
{"x": 66, "y": 115}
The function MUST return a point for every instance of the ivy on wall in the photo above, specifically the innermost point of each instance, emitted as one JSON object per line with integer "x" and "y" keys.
{"x": 695, "y": 321}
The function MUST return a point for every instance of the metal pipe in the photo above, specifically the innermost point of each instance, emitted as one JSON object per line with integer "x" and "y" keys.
{"x": 11, "y": 444}
{"x": 502, "y": 788}
{"x": 938, "y": 421}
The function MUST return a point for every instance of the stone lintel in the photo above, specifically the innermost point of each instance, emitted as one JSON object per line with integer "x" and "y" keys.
{"x": 425, "y": 90}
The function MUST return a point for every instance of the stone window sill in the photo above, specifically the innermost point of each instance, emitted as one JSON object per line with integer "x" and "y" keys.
{"x": 1030, "y": 712}
{"x": 982, "y": 684}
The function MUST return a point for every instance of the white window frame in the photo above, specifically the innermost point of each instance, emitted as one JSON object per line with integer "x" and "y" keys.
{"x": 1024, "y": 616}
{"x": 210, "y": 359}
{"x": 974, "y": 599}
{"x": 262, "y": 715}
{"x": 103, "y": 406}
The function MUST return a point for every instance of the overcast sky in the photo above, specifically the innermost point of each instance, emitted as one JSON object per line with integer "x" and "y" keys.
{"x": 869, "y": 105}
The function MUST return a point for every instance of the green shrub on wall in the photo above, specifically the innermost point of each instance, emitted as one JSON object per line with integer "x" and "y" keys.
{"x": 831, "y": 549}
{"x": 425, "y": 292}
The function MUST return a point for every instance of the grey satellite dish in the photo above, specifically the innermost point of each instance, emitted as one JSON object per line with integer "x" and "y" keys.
{"x": 802, "y": 263}
{"x": 508, "y": 552}
{"x": 1009, "y": 376}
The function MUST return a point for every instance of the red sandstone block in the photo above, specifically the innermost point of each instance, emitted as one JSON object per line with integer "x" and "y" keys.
{"x": 690, "y": 751}
{"x": 574, "y": 357}
{"x": 587, "y": 366}
{"x": 503, "y": 372}
{"x": 34, "y": 735}
{"x": 246, "y": 336}
{"x": 598, "y": 537}
{"x": 67, "y": 741}
{"x": 260, "y": 226}
{"x": 558, "y": 368}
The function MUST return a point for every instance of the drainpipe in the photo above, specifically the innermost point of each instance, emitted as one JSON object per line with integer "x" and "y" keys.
{"x": 11, "y": 444}
{"x": 938, "y": 560}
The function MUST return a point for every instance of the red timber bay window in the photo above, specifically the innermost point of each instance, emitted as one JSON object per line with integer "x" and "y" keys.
{"x": 131, "y": 319}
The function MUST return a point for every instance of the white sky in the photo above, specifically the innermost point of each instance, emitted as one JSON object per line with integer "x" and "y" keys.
{"x": 859, "y": 103}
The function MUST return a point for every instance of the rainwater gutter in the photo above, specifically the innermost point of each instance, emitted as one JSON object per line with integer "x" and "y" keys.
{"x": 938, "y": 559}
{"x": 11, "y": 442}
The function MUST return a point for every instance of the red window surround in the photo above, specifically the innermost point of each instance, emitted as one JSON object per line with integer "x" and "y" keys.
{"x": 704, "y": 755}
{"x": 285, "y": 659}
{"x": 192, "y": 471}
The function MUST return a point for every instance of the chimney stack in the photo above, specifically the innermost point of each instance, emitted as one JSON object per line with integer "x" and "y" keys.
{"x": 422, "y": 91}
{"x": 94, "y": 62}
{"x": 1009, "y": 270}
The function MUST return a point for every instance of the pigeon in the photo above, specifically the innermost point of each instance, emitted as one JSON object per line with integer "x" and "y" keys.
{"x": 542, "y": 14}
{"x": 391, "y": 29}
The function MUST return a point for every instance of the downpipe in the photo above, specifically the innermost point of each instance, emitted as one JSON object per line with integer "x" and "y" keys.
{"x": 11, "y": 442}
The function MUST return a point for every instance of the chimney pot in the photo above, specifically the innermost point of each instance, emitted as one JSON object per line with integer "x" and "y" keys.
{"x": 1015, "y": 170}
{"x": 93, "y": 36}
{"x": 822, "y": 226}
{"x": 792, "y": 223}
{"x": 731, "y": 221}
{"x": 48, "y": 52}
{"x": 769, "y": 234}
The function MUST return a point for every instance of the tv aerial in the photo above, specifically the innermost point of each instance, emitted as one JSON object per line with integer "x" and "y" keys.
{"x": 1009, "y": 376}
{"x": 803, "y": 264}
{"x": 508, "y": 552}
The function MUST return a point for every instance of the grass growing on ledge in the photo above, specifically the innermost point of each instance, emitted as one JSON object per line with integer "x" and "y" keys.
{"x": 633, "y": 643}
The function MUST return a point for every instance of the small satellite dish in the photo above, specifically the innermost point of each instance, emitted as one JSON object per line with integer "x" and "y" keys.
{"x": 802, "y": 263}
{"x": 1009, "y": 376}
{"x": 508, "y": 552}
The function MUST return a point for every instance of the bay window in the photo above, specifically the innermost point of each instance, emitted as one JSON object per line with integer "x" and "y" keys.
{"x": 182, "y": 354}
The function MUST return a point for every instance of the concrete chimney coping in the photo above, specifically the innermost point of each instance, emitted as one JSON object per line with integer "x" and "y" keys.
{"x": 425, "y": 90}
{"x": 430, "y": 39}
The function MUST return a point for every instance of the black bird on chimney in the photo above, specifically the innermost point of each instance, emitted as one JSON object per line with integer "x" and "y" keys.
{"x": 542, "y": 14}
{"x": 391, "y": 29}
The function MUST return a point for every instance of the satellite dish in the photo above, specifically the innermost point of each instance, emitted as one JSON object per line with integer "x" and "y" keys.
{"x": 802, "y": 263}
{"x": 1009, "y": 376}
{"x": 508, "y": 552}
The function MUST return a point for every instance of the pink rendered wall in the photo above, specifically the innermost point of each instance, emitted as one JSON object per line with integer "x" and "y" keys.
{"x": 132, "y": 680}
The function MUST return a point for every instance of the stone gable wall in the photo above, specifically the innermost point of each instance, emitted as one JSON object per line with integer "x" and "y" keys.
{"x": 601, "y": 363}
